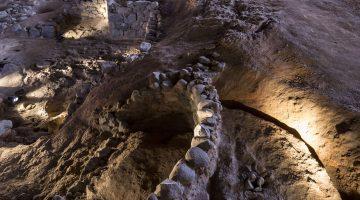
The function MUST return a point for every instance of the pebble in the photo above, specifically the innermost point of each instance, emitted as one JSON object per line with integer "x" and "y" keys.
{"x": 13, "y": 99}
{"x": 218, "y": 66}
{"x": 198, "y": 89}
{"x": 58, "y": 197}
{"x": 252, "y": 177}
{"x": 215, "y": 55}
{"x": 145, "y": 47}
{"x": 260, "y": 181}
{"x": 166, "y": 84}
{"x": 5, "y": 125}
{"x": 249, "y": 185}
{"x": 201, "y": 131}
{"x": 204, "y": 60}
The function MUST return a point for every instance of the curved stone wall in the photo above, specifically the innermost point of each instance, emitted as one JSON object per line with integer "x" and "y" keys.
{"x": 186, "y": 90}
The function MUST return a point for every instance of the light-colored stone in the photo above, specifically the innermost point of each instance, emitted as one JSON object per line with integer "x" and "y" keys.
{"x": 106, "y": 66}
{"x": 145, "y": 47}
{"x": 249, "y": 185}
{"x": 260, "y": 181}
{"x": 204, "y": 60}
{"x": 201, "y": 131}
{"x": 197, "y": 157}
{"x": 204, "y": 113}
{"x": 135, "y": 95}
{"x": 153, "y": 79}
{"x": 166, "y": 84}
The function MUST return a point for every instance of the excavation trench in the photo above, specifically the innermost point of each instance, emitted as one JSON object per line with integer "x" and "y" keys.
{"x": 254, "y": 138}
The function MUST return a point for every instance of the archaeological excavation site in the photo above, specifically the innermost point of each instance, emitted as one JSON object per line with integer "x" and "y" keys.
{"x": 179, "y": 100}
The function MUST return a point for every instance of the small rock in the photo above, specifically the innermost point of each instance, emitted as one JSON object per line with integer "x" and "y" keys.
{"x": 190, "y": 69}
{"x": 58, "y": 197}
{"x": 260, "y": 181}
{"x": 162, "y": 76}
{"x": 218, "y": 66}
{"x": 154, "y": 86}
{"x": 132, "y": 57}
{"x": 252, "y": 177}
{"x": 145, "y": 46}
{"x": 181, "y": 84}
{"x": 198, "y": 89}
{"x": 154, "y": 78}
{"x": 215, "y": 55}
{"x": 182, "y": 173}
{"x": 199, "y": 66}
{"x": 249, "y": 185}
{"x": 3, "y": 14}
{"x": 166, "y": 84}
{"x": 201, "y": 131}
{"x": 17, "y": 29}
{"x": 34, "y": 32}
{"x": 169, "y": 189}
{"x": 135, "y": 95}
{"x": 13, "y": 99}
{"x": 5, "y": 125}
{"x": 202, "y": 143}
{"x": 204, "y": 113}
{"x": 197, "y": 157}
{"x": 185, "y": 74}
{"x": 106, "y": 66}
{"x": 204, "y": 60}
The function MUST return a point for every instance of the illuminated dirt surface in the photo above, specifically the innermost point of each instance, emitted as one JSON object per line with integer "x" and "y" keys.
{"x": 191, "y": 99}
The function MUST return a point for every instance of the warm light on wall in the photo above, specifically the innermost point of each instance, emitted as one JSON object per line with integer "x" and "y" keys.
{"x": 307, "y": 127}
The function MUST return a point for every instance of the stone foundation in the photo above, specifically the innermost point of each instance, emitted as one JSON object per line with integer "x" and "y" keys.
{"x": 135, "y": 20}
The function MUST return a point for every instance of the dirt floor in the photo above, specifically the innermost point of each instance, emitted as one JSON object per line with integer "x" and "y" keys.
{"x": 290, "y": 92}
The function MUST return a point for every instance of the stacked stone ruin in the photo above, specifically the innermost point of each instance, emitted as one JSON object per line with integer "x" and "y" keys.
{"x": 190, "y": 176}
{"x": 94, "y": 18}
{"x": 113, "y": 19}
{"x": 136, "y": 20}
{"x": 118, "y": 20}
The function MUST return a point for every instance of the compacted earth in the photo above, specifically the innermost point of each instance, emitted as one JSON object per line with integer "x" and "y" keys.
{"x": 180, "y": 99}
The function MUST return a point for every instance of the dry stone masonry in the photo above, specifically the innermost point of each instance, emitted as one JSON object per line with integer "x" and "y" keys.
{"x": 94, "y": 19}
{"x": 119, "y": 20}
{"x": 133, "y": 20}
{"x": 190, "y": 176}
{"x": 189, "y": 88}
